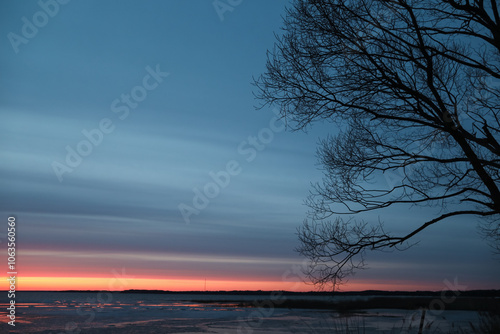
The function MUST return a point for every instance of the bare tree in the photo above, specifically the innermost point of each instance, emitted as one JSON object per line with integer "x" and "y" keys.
{"x": 413, "y": 87}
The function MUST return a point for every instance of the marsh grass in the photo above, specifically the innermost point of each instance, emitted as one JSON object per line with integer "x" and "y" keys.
{"x": 489, "y": 323}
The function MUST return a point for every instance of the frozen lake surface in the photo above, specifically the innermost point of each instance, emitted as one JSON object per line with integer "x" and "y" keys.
{"x": 92, "y": 312}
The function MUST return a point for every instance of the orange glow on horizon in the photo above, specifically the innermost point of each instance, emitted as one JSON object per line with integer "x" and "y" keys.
{"x": 118, "y": 283}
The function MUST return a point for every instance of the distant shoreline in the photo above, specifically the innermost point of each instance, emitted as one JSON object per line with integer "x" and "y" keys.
{"x": 423, "y": 293}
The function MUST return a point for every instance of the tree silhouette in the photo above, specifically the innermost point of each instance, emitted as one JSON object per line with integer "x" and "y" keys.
{"x": 413, "y": 87}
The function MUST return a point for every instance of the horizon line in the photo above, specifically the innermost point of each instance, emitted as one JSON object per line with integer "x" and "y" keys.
{"x": 256, "y": 291}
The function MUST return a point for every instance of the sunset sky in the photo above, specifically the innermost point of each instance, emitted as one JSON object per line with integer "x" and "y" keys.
{"x": 157, "y": 98}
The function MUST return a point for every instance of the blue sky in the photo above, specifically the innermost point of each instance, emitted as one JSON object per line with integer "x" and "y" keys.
{"x": 124, "y": 197}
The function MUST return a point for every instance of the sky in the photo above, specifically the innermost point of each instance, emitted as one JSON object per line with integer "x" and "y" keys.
{"x": 133, "y": 157}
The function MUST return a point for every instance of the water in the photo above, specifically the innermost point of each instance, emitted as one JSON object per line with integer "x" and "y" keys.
{"x": 104, "y": 312}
